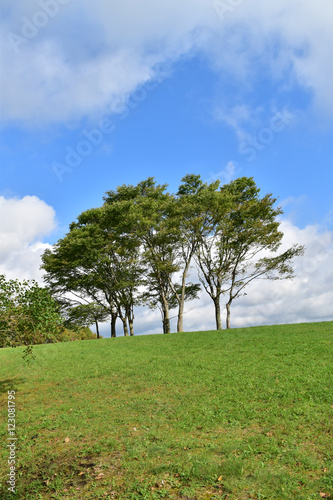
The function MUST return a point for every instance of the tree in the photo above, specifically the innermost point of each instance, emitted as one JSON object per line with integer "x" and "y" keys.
{"x": 212, "y": 255}
{"x": 243, "y": 244}
{"x": 213, "y": 267}
{"x": 191, "y": 222}
{"x": 85, "y": 315}
{"x": 141, "y": 213}
{"x": 167, "y": 228}
{"x": 273, "y": 268}
{"x": 28, "y": 314}
{"x": 72, "y": 269}
{"x": 98, "y": 265}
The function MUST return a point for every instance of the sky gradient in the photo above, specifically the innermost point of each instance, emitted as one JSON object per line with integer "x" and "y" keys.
{"x": 95, "y": 94}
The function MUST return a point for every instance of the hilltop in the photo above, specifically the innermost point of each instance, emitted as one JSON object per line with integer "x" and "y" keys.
{"x": 238, "y": 414}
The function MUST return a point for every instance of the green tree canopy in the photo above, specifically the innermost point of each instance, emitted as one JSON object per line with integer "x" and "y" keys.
{"x": 139, "y": 248}
{"x": 243, "y": 244}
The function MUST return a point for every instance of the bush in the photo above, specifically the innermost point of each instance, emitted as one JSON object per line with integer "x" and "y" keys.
{"x": 28, "y": 314}
{"x": 79, "y": 333}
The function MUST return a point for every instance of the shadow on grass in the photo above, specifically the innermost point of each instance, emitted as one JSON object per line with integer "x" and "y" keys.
{"x": 10, "y": 384}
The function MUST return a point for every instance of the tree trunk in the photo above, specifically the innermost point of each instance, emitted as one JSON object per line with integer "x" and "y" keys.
{"x": 228, "y": 314}
{"x": 97, "y": 329}
{"x": 180, "y": 316}
{"x": 114, "y": 315}
{"x": 131, "y": 327}
{"x": 218, "y": 313}
{"x": 113, "y": 325}
{"x": 167, "y": 322}
{"x": 130, "y": 318}
{"x": 124, "y": 320}
{"x": 181, "y": 301}
{"x": 166, "y": 319}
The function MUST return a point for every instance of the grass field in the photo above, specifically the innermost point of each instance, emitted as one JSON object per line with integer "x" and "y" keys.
{"x": 244, "y": 413}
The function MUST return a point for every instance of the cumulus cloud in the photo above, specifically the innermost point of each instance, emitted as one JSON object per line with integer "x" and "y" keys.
{"x": 23, "y": 224}
{"x": 308, "y": 297}
{"x": 86, "y": 57}
{"x": 117, "y": 48}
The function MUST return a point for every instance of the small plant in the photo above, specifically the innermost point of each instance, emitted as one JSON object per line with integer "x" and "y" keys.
{"x": 28, "y": 355}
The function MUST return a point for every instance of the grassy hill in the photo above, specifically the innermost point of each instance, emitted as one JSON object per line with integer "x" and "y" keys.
{"x": 244, "y": 413}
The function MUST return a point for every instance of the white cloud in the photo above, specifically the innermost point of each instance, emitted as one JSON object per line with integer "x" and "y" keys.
{"x": 309, "y": 297}
{"x": 117, "y": 48}
{"x": 24, "y": 222}
{"x": 227, "y": 174}
{"x": 83, "y": 59}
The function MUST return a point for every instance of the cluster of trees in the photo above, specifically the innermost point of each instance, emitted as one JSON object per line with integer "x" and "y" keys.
{"x": 30, "y": 315}
{"x": 139, "y": 246}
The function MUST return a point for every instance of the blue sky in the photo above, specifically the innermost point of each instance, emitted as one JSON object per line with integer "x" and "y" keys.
{"x": 94, "y": 95}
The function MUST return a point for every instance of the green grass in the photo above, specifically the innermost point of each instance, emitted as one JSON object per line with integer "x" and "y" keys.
{"x": 240, "y": 414}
